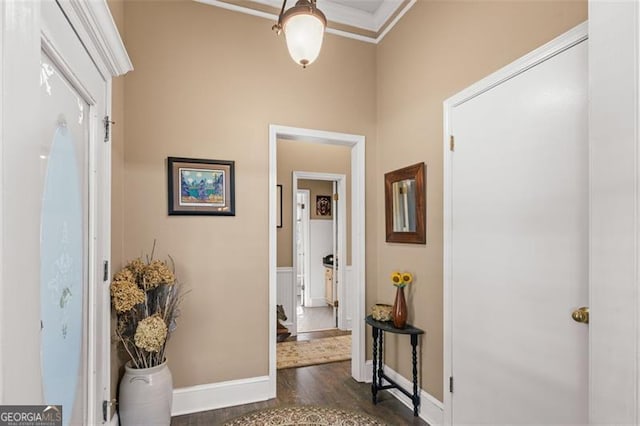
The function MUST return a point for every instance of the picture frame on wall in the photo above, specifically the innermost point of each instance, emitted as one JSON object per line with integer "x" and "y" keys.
{"x": 323, "y": 205}
{"x": 279, "y": 206}
{"x": 201, "y": 187}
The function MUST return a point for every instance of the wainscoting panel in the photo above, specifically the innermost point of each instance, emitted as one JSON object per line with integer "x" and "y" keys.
{"x": 284, "y": 297}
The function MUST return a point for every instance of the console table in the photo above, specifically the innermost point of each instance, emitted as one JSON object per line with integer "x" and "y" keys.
{"x": 378, "y": 328}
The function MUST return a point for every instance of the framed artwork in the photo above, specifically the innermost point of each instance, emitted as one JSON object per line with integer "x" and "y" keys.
{"x": 201, "y": 187}
{"x": 323, "y": 205}
{"x": 279, "y": 206}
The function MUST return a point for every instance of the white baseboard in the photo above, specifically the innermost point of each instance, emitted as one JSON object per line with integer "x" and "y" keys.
{"x": 431, "y": 410}
{"x": 212, "y": 396}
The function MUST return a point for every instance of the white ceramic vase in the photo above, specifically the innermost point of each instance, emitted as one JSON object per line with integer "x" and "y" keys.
{"x": 145, "y": 396}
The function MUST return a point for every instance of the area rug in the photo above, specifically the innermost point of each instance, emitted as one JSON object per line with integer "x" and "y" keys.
{"x": 307, "y": 416}
{"x": 311, "y": 352}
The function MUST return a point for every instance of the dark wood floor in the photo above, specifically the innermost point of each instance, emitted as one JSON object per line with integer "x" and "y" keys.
{"x": 324, "y": 385}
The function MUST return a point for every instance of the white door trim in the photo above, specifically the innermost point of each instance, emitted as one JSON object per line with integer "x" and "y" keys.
{"x": 554, "y": 47}
{"x": 342, "y": 216}
{"x": 357, "y": 144}
{"x": 3, "y": 37}
{"x": 94, "y": 25}
{"x": 614, "y": 237}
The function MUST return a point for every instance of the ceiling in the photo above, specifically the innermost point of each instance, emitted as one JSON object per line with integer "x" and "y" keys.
{"x": 365, "y": 20}
{"x": 369, "y": 6}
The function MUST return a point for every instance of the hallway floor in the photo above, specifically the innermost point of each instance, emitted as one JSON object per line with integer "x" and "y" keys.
{"x": 325, "y": 385}
{"x": 315, "y": 319}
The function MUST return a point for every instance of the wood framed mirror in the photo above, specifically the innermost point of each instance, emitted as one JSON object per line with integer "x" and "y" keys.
{"x": 404, "y": 201}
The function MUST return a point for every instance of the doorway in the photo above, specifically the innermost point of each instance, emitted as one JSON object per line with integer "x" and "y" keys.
{"x": 319, "y": 232}
{"x": 357, "y": 148}
{"x": 517, "y": 180}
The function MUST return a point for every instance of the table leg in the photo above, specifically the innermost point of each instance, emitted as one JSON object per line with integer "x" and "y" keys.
{"x": 374, "y": 383}
{"x": 380, "y": 357}
{"x": 416, "y": 395}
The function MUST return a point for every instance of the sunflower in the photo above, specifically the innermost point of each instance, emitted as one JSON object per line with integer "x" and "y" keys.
{"x": 401, "y": 279}
{"x": 396, "y": 278}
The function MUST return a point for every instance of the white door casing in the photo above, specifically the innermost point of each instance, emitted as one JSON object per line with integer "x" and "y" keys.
{"x": 614, "y": 141}
{"x": 339, "y": 249}
{"x": 357, "y": 145}
{"x": 516, "y": 249}
{"x": 27, "y": 29}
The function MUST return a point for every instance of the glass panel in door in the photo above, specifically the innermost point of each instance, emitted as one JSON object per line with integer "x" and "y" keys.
{"x": 63, "y": 124}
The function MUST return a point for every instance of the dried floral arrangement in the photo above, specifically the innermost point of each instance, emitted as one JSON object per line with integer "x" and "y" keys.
{"x": 146, "y": 297}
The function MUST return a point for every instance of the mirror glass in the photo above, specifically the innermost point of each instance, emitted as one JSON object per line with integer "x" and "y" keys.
{"x": 404, "y": 205}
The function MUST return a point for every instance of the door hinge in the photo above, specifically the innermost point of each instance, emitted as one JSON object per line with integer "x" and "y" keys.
{"x": 451, "y": 384}
{"x": 452, "y": 143}
{"x": 105, "y": 274}
{"x": 105, "y": 409}
{"x": 302, "y": 206}
{"x": 107, "y": 128}
{"x": 335, "y": 303}
{"x": 335, "y": 197}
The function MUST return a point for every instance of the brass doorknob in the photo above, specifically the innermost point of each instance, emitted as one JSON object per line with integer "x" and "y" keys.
{"x": 581, "y": 315}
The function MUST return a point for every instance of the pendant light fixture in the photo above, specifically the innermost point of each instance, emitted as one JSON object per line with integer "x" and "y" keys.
{"x": 303, "y": 26}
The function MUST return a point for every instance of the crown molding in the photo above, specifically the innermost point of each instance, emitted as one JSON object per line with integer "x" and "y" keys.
{"x": 350, "y": 22}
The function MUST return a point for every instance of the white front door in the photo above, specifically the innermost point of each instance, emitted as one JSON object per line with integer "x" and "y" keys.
{"x": 518, "y": 247}
{"x": 70, "y": 126}
{"x": 55, "y": 208}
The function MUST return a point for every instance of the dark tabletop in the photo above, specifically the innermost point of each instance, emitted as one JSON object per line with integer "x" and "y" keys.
{"x": 388, "y": 326}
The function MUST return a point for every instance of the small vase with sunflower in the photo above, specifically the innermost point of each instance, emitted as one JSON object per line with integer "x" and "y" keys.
{"x": 399, "y": 310}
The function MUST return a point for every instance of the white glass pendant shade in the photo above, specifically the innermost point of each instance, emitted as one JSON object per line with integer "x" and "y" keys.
{"x": 304, "y": 34}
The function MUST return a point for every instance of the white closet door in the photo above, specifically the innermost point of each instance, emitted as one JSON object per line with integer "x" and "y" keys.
{"x": 519, "y": 252}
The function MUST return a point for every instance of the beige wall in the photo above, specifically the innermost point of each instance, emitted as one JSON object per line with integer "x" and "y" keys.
{"x": 436, "y": 50}
{"x": 207, "y": 83}
{"x": 308, "y": 157}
